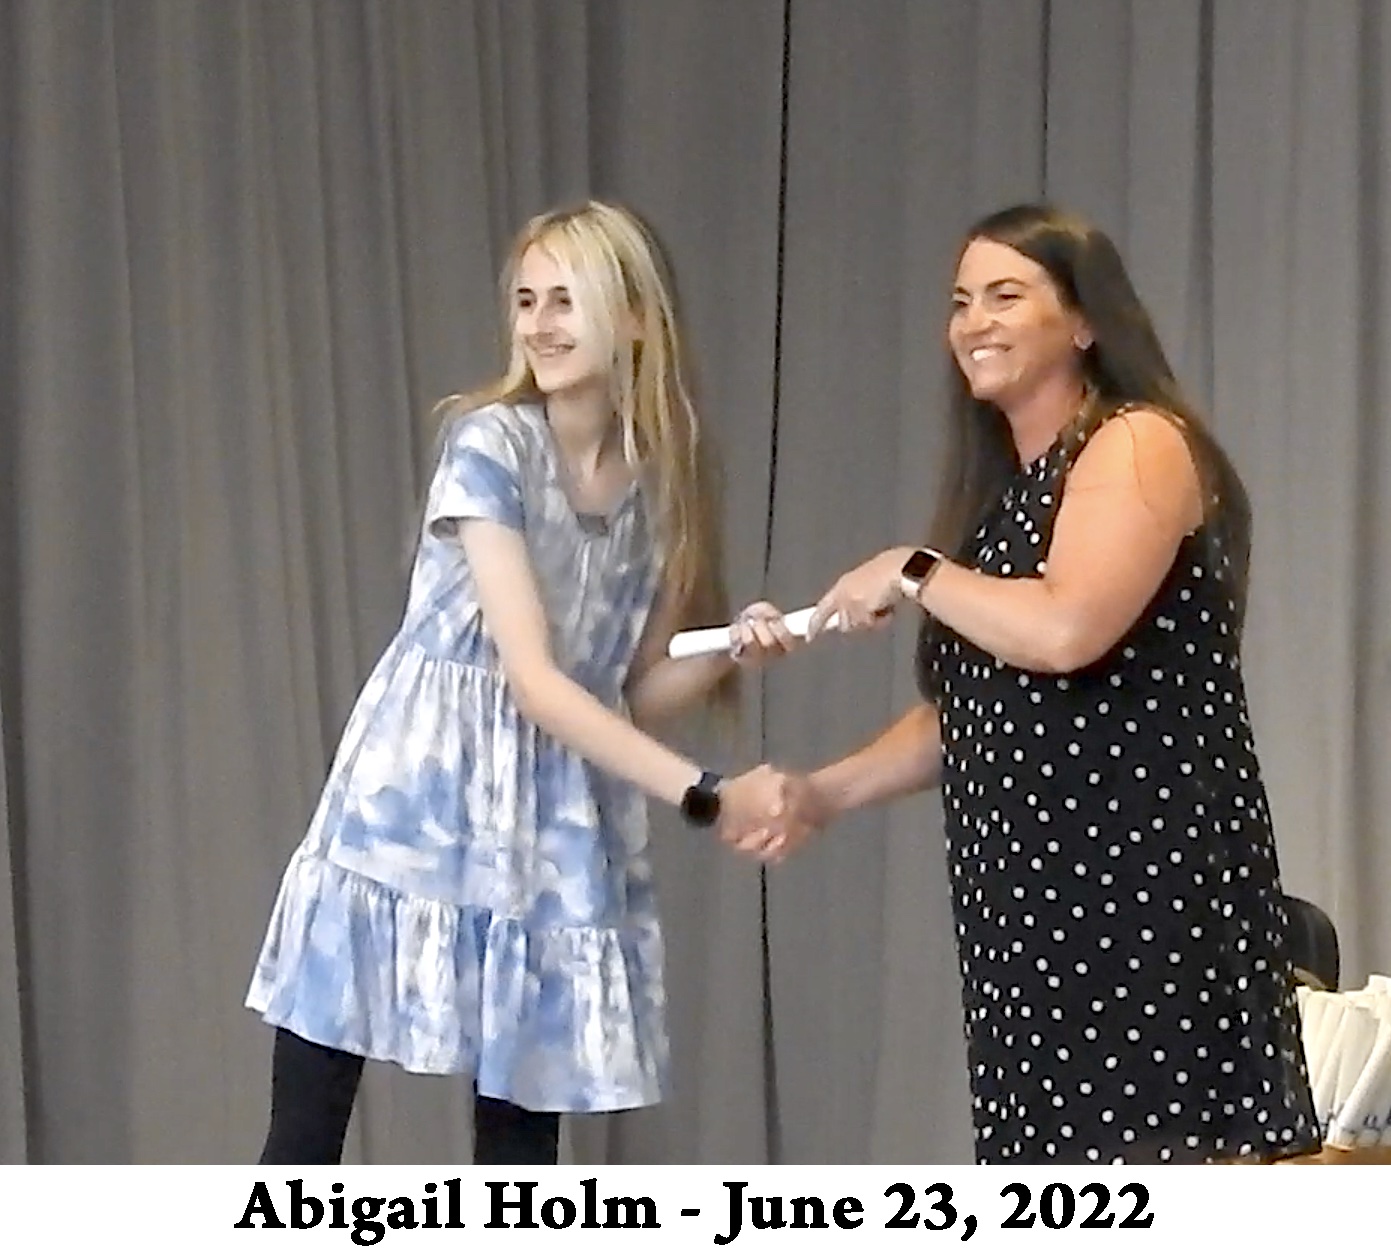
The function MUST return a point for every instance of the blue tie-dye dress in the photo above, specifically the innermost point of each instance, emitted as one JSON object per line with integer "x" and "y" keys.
{"x": 472, "y": 896}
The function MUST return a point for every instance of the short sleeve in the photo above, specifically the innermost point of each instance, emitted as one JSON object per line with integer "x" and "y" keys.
{"x": 479, "y": 475}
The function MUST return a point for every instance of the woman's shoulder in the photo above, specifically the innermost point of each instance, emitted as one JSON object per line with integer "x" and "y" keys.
{"x": 514, "y": 425}
{"x": 1143, "y": 418}
{"x": 1141, "y": 429}
{"x": 1145, "y": 447}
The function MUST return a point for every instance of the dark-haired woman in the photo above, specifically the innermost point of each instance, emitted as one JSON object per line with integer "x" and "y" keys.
{"x": 1115, "y": 887}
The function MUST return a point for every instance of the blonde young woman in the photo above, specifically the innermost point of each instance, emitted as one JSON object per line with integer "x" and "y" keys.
{"x": 474, "y": 894}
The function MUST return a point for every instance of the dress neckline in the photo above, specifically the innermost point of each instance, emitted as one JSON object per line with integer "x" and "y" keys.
{"x": 590, "y": 523}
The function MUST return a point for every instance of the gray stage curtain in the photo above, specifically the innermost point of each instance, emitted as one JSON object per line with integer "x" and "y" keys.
{"x": 248, "y": 243}
{"x": 12, "y": 1120}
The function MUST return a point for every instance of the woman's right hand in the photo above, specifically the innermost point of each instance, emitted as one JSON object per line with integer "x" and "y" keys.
{"x": 768, "y": 813}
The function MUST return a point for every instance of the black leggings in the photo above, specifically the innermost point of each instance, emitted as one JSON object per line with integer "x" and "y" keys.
{"x": 312, "y": 1093}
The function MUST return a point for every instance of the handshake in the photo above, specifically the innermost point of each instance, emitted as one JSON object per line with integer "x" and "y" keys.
{"x": 768, "y": 813}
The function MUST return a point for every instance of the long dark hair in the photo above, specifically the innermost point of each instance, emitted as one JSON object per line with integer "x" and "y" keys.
{"x": 1125, "y": 365}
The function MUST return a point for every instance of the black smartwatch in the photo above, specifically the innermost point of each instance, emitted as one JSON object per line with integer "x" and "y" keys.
{"x": 916, "y": 571}
{"x": 700, "y": 805}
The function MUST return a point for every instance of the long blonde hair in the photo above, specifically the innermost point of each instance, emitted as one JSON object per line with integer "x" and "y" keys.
{"x": 622, "y": 283}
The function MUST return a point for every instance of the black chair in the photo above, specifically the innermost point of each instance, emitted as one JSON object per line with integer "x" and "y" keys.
{"x": 1313, "y": 944}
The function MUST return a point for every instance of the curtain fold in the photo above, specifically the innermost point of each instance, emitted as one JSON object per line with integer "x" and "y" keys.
{"x": 13, "y": 1126}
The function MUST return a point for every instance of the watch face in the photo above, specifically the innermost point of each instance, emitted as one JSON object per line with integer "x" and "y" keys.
{"x": 702, "y": 806}
{"x": 918, "y": 565}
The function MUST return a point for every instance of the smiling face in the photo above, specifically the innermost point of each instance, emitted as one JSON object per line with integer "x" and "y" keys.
{"x": 559, "y": 338}
{"x": 1010, "y": 330}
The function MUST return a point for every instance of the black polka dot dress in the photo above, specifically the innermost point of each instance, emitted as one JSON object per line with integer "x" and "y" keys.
{"x": 1114, "y": 880}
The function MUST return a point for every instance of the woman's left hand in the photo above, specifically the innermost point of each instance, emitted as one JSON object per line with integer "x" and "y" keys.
{"x": 865, "y": 597}
{"x": 759, "y": 633}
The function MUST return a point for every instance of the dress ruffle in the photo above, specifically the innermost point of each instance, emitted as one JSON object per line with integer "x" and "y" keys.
{"x": 560, "y": 1020}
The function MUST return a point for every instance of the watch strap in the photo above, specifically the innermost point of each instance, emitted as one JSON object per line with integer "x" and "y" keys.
{"x": 700, "y": 805}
